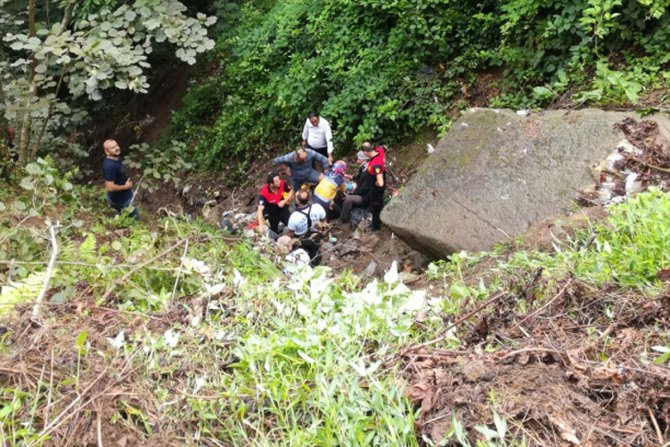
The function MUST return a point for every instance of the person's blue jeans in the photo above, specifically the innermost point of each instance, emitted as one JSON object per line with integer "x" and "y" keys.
{"x": 119, "y": 207}
{"x": 313, "y": 177}
{"x": 320, "y": 201}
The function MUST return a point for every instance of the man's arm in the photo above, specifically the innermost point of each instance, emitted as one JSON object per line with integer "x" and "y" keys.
{"x": 329, "y": 141}
{"x": 112, "y": 187}
{"x": 305, "y": 133}
{"x": 259, "y": 215}
{"x": 284, "y": 159}
{"x": 324, "y": 161}
{"x": 289, "y": 196}
{"x": 379, "y": 181}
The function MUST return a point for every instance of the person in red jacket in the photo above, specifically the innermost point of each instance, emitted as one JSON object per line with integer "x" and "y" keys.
{"x": 376, "y": 174}
{"x": 271, "y": 203}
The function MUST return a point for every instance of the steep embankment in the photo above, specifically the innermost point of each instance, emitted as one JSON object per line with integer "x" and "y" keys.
{"x": 172, "y": 333}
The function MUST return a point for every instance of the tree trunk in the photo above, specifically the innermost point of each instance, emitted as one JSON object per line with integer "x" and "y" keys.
{"x": 5, "y": 156}
{"x": 26, "y": 122}
{"x": 67, "y": 16}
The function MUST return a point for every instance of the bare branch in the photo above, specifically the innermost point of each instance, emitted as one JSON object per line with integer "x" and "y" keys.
{"x": 47, "y": 277}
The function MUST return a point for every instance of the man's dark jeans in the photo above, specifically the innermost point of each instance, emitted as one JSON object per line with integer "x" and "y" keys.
{"x": 119, "y": 207}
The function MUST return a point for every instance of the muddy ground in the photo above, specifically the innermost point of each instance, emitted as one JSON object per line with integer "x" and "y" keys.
{"x": 208, "y": 196}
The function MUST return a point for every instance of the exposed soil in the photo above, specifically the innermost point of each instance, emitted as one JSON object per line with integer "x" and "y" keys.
{"x": 562, "y": 375}
{"x": 209, "y": 195}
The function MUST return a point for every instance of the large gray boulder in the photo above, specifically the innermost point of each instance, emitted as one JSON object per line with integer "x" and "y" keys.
{"x": 496, "y": 173}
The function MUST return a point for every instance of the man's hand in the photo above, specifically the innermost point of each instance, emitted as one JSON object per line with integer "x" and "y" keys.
{"x": 281, "y": 203}
{"x": 129, "y": 184}
{"x": 330, "y": 159}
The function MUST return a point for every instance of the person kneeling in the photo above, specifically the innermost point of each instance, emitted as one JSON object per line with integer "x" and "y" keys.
{"x": 303, "y": 224}
{"x": 272, "y": 205}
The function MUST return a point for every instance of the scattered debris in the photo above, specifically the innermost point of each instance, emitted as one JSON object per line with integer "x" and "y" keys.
{"x": 636, "y": 163}
{"x": 562, "y": 377}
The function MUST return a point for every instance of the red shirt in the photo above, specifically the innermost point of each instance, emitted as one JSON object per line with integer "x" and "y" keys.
{"x": 268, "y": 197}
{"x": 377, "y": 164}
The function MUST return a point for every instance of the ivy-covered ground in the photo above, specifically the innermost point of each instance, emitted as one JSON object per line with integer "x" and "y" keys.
{"x": 171, "y": 332}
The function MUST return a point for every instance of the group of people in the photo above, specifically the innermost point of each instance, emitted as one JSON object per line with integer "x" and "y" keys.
{"x": 335, "y": 195}
{"x": 333, "y": 198}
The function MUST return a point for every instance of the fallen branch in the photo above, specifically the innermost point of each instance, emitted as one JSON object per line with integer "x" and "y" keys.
{"x": 648, "y": 165}
{"x": 661, "y": 441}
{"x": 181, "y": 264}
{"x": 441, "y": 338}
{"x": 137, "y": 190}
{"x": 547, "y": 304}
{"x": 35, "y": 317}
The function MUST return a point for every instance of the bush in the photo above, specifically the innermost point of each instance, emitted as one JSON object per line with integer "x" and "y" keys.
{"x": 387, "y": 70}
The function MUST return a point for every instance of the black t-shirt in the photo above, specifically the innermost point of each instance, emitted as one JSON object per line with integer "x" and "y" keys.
{"x": 114, "y": 171}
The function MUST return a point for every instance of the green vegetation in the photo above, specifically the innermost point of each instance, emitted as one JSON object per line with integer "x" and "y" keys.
{"x": 56, "y": 61}
{"x": 386, "y": 70}
{"x": 204, "y": 338}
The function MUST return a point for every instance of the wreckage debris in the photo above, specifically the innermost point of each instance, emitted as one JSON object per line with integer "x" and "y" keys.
{"x": 640, "y": 161}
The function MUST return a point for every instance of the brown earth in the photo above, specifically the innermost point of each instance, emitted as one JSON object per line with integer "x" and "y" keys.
{"x": 561, "y": 375}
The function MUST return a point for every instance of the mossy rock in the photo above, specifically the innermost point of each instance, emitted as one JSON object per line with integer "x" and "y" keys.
{"x": 496, "y": 173}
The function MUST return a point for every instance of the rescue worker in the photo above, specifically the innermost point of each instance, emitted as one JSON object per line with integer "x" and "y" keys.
{"x": 118, "y": 184}
{"x": 376, "y": 178}
{"x": 272, "y": 204}
{"x": 303, "y": 224}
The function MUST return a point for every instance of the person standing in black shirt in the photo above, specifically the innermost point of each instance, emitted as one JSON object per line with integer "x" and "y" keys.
{"x": 118, "y": 184}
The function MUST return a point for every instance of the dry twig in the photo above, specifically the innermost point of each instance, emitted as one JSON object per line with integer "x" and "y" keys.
{"x": 548, "y": 303}
{"x": 35, "y": 317}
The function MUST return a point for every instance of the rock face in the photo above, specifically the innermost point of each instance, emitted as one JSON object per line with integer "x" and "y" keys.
{"x": 496, "y": 173}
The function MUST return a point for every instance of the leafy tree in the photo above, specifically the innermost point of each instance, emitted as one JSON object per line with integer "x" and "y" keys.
{"x": 56, "y": 52}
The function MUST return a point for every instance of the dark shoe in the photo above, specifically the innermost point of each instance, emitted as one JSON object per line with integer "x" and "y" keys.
{"x": 370, "y": 229}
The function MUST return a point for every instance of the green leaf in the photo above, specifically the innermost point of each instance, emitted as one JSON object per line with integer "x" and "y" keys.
{"x": 59, "y": 298}
{"x": 27, "y": 184}
{"x": 33, "y": 168}
{"x": 541, "y": 92}
{"x": 80, "y": 341}
{"x": 19, "y": 205}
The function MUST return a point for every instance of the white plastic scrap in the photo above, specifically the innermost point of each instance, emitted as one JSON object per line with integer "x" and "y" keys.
{"x": 116, "y": 342}
{"x": 633, "y": 185}
{"x": 171, "y": 338}
{"x": 391, "y": 276}
{"x": 430, "y": 149}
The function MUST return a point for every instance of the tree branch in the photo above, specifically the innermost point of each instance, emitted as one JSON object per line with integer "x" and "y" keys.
{"x": 54, "y": 253}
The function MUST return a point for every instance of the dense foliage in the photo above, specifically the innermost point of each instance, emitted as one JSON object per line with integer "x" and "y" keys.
{"x": 51, "y": 58}
{"x": 386, "y": 69}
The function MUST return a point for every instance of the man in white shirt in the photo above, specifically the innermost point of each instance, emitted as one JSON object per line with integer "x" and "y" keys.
{"x": 302, "y": 224}
{"x": 318, "y": 136}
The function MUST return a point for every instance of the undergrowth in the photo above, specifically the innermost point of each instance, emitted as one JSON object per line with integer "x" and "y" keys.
{"x": 205, "y": 339}
{"x": 389, "y": 70}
